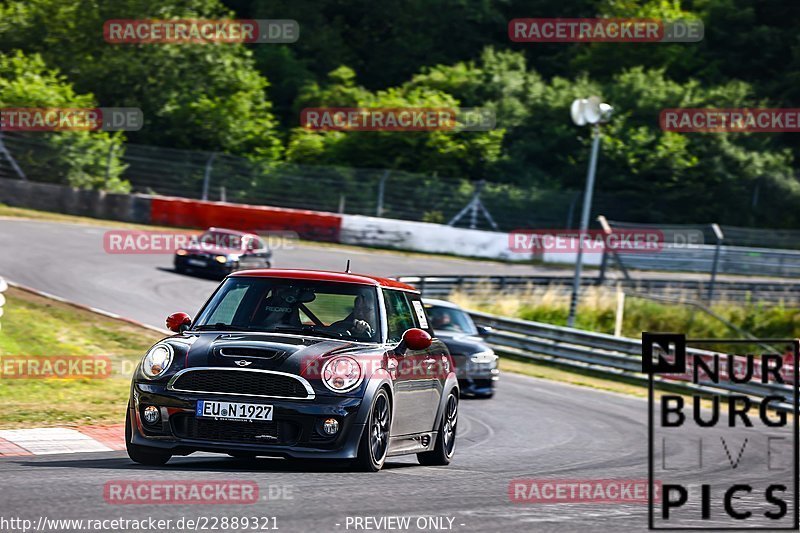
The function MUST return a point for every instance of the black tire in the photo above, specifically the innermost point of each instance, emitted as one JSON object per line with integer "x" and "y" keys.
{"x": 374, "y": 445}
{"x": 142, "y": 454}
{"x": 445, "y": 447}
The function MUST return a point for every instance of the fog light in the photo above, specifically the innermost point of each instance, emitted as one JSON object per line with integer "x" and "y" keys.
{"x": 151, "y": 414}
{"x": 330, "y": 426}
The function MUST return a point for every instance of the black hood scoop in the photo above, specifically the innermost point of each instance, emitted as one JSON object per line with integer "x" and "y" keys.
{"x": 234, "y": 350}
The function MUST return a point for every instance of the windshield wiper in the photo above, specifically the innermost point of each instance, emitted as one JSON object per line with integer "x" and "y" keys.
{"x": 306, "y": 330}
{"x": 219, "y": 326}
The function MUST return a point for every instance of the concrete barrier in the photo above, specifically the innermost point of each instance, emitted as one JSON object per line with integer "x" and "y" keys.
{"x": 426, "y": 237}
{"x": 315, "y": 225}
{"x": 71, "y": 201}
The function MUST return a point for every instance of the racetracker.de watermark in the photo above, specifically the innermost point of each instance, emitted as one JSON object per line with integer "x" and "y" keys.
{"x": 55, "y": 367}
{"x": 71, "y": 119}
{"x": 409, "y": 367}
{"x": 617, "y": 30}
{"x": 203, "y": 492}
{"x": 196, "y": 31}
{"x": 733, "y": 120}
{"x": 580, "y": 491}
{"x": 135, "y": 242}
{"x": 629, "y": 240}
{"x": 397, "y": 119}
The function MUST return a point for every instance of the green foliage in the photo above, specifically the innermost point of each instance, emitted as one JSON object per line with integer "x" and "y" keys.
{"x": 597, "y": 312}
{"x": 77, "y": 158}
{"x": 443, "y": 53}
{"x": 450, "y": 153}
{"x": 200, "y": 96}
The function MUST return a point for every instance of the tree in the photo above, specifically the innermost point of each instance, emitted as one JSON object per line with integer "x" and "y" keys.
{"x": 77, "y": 158}
{"x": 201, "y": 96}
{"x": 463, "y": 154}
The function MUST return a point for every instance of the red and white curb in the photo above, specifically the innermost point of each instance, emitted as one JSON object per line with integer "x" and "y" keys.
{"x": 49, "y": 441}
{"x": 88, "y": 308}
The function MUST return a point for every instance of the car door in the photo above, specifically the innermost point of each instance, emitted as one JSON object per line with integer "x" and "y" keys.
{"x": 437, "y": 357}
{"x": 414, "y": 388}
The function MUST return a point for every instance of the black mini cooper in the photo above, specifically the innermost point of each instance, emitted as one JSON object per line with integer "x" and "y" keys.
{"x": 298, "y": 364}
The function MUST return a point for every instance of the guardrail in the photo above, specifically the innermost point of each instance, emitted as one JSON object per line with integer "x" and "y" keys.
{"x": 604, "y": 354}
{"x": 731, "y": 291}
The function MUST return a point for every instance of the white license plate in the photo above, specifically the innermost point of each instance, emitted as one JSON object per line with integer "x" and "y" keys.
{"x": 233, "y": 411}
{"x": 197, "y": 262}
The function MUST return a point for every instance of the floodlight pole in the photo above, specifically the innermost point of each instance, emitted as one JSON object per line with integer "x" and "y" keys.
{"x": 587, "y": 207}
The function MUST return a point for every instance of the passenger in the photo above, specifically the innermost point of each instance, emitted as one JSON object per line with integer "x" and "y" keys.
{"x": 281, "y": 308}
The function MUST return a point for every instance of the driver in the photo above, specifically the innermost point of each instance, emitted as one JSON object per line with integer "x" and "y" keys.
{"x": 359, "y": 322}
{"x": 441, "y": 319}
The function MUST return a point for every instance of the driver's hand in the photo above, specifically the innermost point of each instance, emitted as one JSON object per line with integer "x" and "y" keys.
{"x": 361, "y": 327}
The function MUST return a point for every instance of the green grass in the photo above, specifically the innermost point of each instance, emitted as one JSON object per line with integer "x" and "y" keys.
{"x": 597, "y": 312}
{"x": 36, "y": 326}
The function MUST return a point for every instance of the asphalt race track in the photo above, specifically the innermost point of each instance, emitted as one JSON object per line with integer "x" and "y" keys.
{"x": 531, "y": 429}
{"x": 68, "y": 260}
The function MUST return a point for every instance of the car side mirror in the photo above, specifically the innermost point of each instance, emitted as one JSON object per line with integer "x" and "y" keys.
{"x": 485, "y": 331}
{"x": 179, "y": 322}
{"x": 416, "y": 339}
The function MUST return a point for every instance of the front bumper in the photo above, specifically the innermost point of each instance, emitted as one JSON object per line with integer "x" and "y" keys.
{"x": 211, "y": 267}
{"x": 478, "y": 379}
{"x": 293, "y": 432}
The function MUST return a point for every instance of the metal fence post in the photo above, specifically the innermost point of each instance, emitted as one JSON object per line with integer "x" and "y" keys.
{"x": 108, "y": 161}
{"x": 620, "y": 311}
{"x": 381, "y": 191}
{"x": 719, "y": 236}
{"x": 207, "y": 175}
{"x": 11, "y": 159}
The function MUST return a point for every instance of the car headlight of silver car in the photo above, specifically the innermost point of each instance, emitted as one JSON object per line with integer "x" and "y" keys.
{"x": 342, "y": 374}
{"x": 486, "y": 356}
{"x": 157, "y": 360}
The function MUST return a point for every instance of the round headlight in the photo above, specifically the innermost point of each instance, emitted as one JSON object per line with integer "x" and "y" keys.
{"x": 222, "y": 259}
{"x": 341, "y": 374}
{"x": 157, "y": 360}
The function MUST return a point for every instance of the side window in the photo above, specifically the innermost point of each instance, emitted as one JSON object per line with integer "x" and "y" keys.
{"x": 420, "y": 316}
{"x": 257, "y": 244}
{"x": 398, "y": 314}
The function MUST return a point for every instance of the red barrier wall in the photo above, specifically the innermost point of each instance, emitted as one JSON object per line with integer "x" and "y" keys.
{"x": 180, "y": 212}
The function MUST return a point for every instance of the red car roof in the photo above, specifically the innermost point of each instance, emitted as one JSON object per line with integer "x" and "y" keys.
{"x": 230, "y": 231}
{"x": 324, "y": 275}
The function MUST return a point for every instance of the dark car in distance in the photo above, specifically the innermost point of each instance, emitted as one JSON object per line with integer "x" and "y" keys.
{"x": 218, "y": 252}
{"x": 476, "y": 362}
{"x": 298, "y": 364}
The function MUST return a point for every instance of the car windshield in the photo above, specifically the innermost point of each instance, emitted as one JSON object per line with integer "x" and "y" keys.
{"x": 450, "y": 319}
{"x": 304, "y": 307}
{"x": 220, "y": 239}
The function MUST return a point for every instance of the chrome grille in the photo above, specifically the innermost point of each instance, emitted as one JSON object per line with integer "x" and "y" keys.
{"x": 241, "y": 382}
